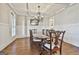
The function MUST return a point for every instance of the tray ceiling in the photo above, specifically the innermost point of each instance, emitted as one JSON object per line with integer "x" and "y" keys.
{"x": 45, "y": 8}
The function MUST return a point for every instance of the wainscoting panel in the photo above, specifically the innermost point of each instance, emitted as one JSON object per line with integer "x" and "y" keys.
{"x": 5, "y": 36}
{"x": 72, "y": 33}
{"x": 20, "y": 31}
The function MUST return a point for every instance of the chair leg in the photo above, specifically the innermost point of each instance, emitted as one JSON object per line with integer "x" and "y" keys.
{"x": 41, "y": 53}
{"x": 50, "y": 53}
{"x": 60, "y": 52}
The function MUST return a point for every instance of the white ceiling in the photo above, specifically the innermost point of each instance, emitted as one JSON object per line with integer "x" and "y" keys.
{"x": 45, "y": 8}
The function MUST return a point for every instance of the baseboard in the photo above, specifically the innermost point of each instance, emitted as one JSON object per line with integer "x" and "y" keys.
{"x": 72, "y": 44}
{"x": 19, "y": 36}
{"x": 8, "y": 44}
{"x": 11, "y": 42}
{"x": 76, "y": 45}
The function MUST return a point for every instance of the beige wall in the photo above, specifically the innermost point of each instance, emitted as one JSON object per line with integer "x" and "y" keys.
{"x": 20, "y": 24}
{"x": 20, "y": 19}
{"x": 69, "y": 20}
{"x": 4, "y": 14}
{"x": 68, "y": 16}
{"x": 5, "y": 28}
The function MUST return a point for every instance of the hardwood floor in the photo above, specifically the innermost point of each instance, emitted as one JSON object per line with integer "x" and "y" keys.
{"x": 22, "y": 47}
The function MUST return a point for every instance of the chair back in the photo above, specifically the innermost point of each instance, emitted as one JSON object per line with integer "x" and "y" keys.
{"x": 57, "y": 38}
{"x": 31, "y": 35}
{"x": 45, "y": 32}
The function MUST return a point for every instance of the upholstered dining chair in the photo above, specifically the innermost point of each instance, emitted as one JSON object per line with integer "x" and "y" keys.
{"x": 45, "y": 32}
{"x": 55, "y": 43}
{"x": 34, "y": 39}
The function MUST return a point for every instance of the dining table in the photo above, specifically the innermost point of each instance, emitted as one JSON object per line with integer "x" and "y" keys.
{"x": 42, "y": 37}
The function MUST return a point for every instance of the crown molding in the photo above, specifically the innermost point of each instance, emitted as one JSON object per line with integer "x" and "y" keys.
{"x": 33, "y": 14}
{"x": 63, "y": 9}
{"x": 10, "y": 6}
{"x": 25, "y": 13}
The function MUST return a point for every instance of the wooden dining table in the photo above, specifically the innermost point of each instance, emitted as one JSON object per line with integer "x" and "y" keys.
{"x": 42, "y": 38}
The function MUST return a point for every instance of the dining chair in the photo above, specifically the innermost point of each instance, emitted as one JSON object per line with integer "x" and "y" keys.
{"x": 34, "y": 39}
{"x": 55, "y": 43}
{"x": 45, "y": 32}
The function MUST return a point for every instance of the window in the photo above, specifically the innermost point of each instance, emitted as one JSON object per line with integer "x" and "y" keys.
{"x": 13, "y": 24}
{"x": 51, "y": 22}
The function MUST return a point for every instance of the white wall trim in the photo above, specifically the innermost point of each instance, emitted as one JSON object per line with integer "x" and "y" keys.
{"x": 19, "y": 36}
{"x": 7, "y": 44}
{"x": 4, "y": 24}
{"x": 10, "y": 6}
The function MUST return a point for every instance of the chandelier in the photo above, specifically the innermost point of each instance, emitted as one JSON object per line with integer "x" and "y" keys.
{"x": 39, "y": 17}
{"x": 36, "y": 19}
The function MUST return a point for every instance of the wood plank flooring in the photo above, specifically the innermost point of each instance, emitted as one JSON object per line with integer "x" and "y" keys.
{"x": 22, "y": 46}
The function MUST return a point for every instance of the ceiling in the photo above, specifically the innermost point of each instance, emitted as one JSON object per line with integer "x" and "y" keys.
{"x": 46, "y": 9}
